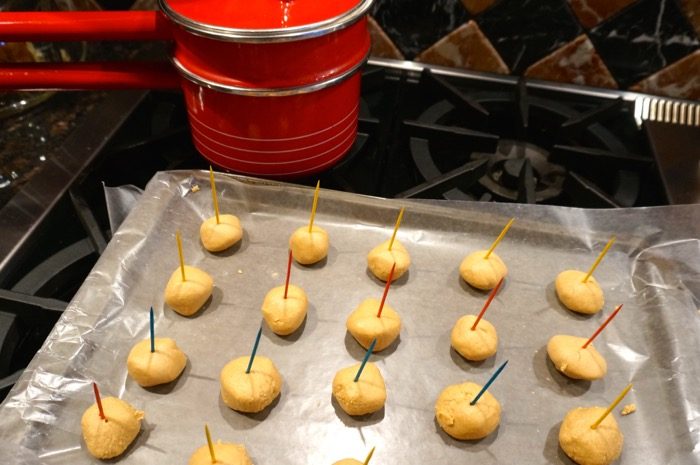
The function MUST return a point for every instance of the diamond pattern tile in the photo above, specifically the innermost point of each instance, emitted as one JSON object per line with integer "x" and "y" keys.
{"x": 651, "y": 45}
{"x": 523, "y": 31}
{"x": 649, "y": 36}
{"x": 681, "y": 79}
{"x": 465, "y": 47}
{"x": 591, "y": 12}
{"x": 413, "y": 25}
{"x": 577, "y": 63}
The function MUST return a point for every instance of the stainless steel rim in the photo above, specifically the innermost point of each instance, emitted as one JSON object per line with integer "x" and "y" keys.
{"x": 264, "y": 91}
{"x": 306, "y": 31}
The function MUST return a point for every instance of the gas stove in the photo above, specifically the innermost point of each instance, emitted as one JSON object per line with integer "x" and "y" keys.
{"x": 424, "y": 132}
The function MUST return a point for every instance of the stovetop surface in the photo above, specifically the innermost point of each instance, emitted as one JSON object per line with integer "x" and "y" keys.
{"x": 420, "y": 136}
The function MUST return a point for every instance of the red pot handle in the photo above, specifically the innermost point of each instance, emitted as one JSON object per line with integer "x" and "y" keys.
{"x": 88, "y": 76}
{"x": 57, "y": 26}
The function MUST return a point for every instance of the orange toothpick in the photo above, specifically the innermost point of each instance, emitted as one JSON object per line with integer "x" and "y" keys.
{"x": 602, "y": 327}
{"x": 386, "y": 290}
{"x": 210, "y": 444}
{"x": 488, "y": 302}
{"x": 179, "y": 252}
{"x": 213, "y": 194}
{"x": 612, "y": 406}
{"x": 499, "y": 238}
{"x": 313, "y": 206}
{"x": 600, "y": 257}
{"x": 289, "y": 272}
{"x": 396, "y": 228}
{"x": 98, "y": 400}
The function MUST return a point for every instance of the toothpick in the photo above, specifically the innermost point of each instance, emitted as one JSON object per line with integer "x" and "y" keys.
{"x": 488, "y": 302}
{"x": 369, "y": 456}
{"x": 386, "y": 290}
{"x": 209, "y": 443}
{"x": 500, "y": 237}
{"x": 600, "y": 257}
{"x": 313, "y": 207}
{"x": 602, "y": 327}
{"x": 153, "y": 331}
{"x": 488, "y": 383}
{"x": 255, "y": 349}
{"x": 396, "y": 228}
{"x": 612, "y": 406}
{"x": 364, "y": 360}
{"x": 179, "y": 252}
{"x": 98, "y": 399}
{"x": 289, "y": 272}
{"x": 213, "y": 194}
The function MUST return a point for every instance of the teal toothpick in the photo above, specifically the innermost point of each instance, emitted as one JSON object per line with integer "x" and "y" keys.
{"x": 364, "y": 360}
{"x": 488, "y": 383}
{"x": 153, "y": 332}
{"x": 255, "y": 349}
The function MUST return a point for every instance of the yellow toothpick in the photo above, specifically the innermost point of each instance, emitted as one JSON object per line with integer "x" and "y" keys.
{"x": 612, "y": 406}
{"x": 179, "y": 252}
{"x": 369, "y": 456}
{"x": 600, "y": 257}
{"x": 213, "y": 194}
{"x": 500, "y": 237}
{"x": 313, "y": 207}
{"x": 396, "y": 228}
{"x": 210, "y": 444}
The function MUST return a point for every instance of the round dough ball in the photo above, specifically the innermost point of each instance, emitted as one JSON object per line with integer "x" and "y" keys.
{"x": 568, "y": 356}
{"x": 475, "y": 345}
{"x": 186, "y": 297}
{"x": 348, "y": 462}
{"x": 222, "y": 235}
{"x": 250, "y": 392}
{"x": 367, "y": 395}
{"x": 159, "y": 367}
{"x": 380, "y": 260}
{"x": 482, "y": 273}
{"x": 108, "y": 439}
{"x": 225, "y": 452}
{"x": 586, "y": 446}
{"x": 576, "y": 295}
{"x": 309, "y": 248}
{"x": 461, "y": 420}
{"x": 364, "y": 325}
{"x": 284, "y": 316}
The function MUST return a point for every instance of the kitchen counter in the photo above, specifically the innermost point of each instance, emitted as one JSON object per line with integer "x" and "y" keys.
{"x": 30, "y": 138}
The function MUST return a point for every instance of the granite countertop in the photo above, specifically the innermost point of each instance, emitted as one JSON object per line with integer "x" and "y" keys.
{"x": 30, "y": 138}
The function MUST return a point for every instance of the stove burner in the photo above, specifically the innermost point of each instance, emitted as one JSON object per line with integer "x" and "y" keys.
{"x": 516, "y": 165}
{"x": 544, "y": 150}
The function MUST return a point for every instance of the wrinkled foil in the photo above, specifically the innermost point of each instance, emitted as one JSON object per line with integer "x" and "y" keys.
{"x": 653, "y": 269}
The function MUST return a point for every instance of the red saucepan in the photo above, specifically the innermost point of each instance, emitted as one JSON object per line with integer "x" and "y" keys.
{"x": 271, "y": 86}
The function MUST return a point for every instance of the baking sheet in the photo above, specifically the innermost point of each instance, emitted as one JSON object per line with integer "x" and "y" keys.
{"x": 654, "y": 269}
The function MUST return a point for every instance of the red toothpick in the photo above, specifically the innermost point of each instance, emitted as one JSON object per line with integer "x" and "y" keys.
{"x": 289, "y": 271}
{"x": 386, "y": 290}
{"x": 98, "y": 399}
{"x": 602, "y": 327}
{"x": 488, "y": 302}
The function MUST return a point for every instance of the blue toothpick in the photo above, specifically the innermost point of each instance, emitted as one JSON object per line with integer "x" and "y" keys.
{"x": 255, "y": 349}
{"x": 153, "y": 333}
{"x": 364, "y": 360}
{"x": 488, "y": 383}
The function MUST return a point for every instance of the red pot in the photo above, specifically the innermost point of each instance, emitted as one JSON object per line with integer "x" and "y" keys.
{"x": 271, "y": 86}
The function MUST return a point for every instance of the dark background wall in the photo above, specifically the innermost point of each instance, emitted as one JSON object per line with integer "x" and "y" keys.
{"x": 644, "y": 45}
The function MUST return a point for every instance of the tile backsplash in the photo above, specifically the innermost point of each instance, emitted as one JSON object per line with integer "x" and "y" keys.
{"x": 643, "y": 45}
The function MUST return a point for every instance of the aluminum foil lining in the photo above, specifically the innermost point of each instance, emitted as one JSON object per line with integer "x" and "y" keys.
{"x": 653, "y": 269}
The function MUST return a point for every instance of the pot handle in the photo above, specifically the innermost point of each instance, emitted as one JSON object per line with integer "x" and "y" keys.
{"x": 57, "y": 26}
{"x": 88, "y": 76}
